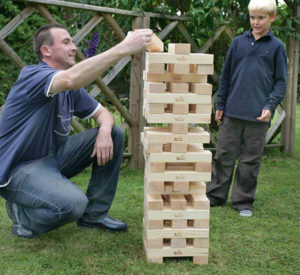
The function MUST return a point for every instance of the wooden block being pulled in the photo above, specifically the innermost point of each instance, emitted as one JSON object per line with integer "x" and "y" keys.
{"x": 179, "y": 48}
{"x": 156, "y": 45}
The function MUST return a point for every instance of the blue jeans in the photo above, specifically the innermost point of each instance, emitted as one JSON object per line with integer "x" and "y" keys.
{"x": 45, "y": 197}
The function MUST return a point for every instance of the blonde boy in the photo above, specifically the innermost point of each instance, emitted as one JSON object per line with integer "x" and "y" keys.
{"x": 253, "y": 83}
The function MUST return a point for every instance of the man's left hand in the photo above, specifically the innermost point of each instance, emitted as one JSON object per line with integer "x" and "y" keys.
{"x": 265, "y": 115}
{"x": 103, "y": 148}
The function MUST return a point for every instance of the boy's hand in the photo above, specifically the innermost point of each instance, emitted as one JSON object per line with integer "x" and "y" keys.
{"x": 218, "y": 116}
{"x": 265, "y": 116}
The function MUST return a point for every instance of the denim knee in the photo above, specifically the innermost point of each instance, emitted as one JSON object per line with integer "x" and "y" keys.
{"x": 74, "y": 208}
{"x": 118, "y": 136}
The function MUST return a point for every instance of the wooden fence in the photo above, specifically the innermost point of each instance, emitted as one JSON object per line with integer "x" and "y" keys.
{"x": 133, "y": 118}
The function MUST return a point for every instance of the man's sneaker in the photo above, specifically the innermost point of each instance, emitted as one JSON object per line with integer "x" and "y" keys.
{"x": 17, "y": 228}
{"x": 246, "y": 213}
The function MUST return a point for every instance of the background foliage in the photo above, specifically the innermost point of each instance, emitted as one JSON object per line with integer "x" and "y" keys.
{"x": 206, "y": 16}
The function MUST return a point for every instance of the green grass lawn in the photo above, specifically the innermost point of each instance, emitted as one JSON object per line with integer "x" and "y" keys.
{"x": 267, "y": 243}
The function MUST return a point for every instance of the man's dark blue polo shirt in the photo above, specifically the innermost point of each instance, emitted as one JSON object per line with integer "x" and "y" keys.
{"x": 32, "y": 121}
{"x": 253, "y": 76}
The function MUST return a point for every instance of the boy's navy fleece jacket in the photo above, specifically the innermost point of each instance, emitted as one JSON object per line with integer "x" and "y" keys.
{"x": 253, "y": 76}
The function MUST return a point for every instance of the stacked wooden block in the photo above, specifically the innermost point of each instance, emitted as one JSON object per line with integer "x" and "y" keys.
{"x": 176, "y": 209}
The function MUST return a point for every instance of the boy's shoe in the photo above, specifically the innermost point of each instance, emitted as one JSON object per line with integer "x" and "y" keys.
{"x": 17, "y": 228}
{"x": 246, "y": 213}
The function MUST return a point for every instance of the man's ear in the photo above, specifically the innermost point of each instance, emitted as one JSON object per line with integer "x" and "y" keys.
{"x": 45, "y": 51}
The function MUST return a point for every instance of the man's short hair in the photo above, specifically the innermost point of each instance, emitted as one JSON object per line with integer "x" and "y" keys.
{"x": 43, "y": 37}
{"x": 268, "y": 6}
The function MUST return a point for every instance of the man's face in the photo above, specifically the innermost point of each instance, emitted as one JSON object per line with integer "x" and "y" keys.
{"x": 260, "y": 22}
{"x": 63, "y": 50}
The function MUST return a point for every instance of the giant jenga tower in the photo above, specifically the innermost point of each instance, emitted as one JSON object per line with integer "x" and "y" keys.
{"x": 176, "y": 209}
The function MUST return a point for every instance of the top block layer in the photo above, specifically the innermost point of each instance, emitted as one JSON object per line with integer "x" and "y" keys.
{"x": 171, "y": 58}
{"x": 179, "y": 48}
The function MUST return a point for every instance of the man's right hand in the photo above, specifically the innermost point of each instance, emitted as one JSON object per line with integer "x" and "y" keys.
{"x": 135, "y": 41}
{"x": 218, "y": 116}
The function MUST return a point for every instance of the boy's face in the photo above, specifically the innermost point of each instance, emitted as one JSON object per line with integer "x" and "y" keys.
{"x": 260, "y": 22}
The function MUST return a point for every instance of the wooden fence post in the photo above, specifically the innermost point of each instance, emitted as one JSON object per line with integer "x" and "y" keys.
{"x": 135, "y": 101}
{"x": 289, "y": 126}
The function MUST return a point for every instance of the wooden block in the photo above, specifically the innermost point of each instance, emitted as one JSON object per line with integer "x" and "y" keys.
{"x": 157, "y": 167}
{"x": 170, "y": 232}
{"x": 181, "y": 186}
{"x": 155, "y": 68}
{"x": 202, "y": 69}
{"x": 156, "y": 45}
{"x": 203, "y": 223}
{"x": 181, "y": 88}
{"x": 165, "y": 135}
{"x": 154, "y": 202}
{"x": 179, "y": 224}
{"x": 156, "y": 108}
{"x": 169, "y": 214}
{"x": 201, "y": 88}
{"x": 201, "y": 242}
{"x": 179, "y": 147}
{"x": 202, "y": 260}
{"x": 198, "y": 188}
{"x": 176, "y": 98}
{"x": 155, "y": 224}
{"x": 175, "y": 78}
{"x": 155, "y": 87}
{"x": 203, "y": 167}
{"x": 179, "y": 68}
{"x": 200, "y": 108}
{"x": 178, "y": 243}
{"x": 180, "y": 108}
{"x": 178, "y": 202}
{"x": 179, "y": 48}
{"x": 179, "y": 128}
{"x": 168, "y": 251}
{"x": 199, "y": 201}
{"x": 156, "y": 186}
{"x": 202, "y": 158}
{"x": 157, "y": 243}
{"x": 170, "y": 58}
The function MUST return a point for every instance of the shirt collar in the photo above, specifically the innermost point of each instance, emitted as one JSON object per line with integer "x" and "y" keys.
{"x": 268, "y": 35}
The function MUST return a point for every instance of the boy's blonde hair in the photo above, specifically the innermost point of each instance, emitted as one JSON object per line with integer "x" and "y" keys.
{"x": 268, "y": 6}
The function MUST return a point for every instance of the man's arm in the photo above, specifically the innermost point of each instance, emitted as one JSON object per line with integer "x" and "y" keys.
{"x": 103, "y": 148}
{"x": 85, "y": 72}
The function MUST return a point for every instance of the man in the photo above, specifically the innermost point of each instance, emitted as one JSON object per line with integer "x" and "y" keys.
{"x": 37, "y": 156}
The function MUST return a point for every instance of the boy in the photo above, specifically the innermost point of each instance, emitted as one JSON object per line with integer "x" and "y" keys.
{"x": 253, "y": 83}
